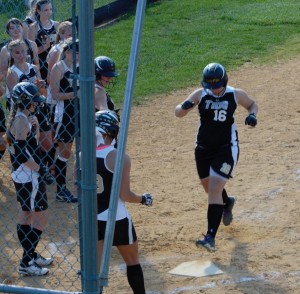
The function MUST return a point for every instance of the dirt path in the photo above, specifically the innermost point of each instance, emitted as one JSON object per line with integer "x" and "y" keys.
{"x": 259, "y": 252}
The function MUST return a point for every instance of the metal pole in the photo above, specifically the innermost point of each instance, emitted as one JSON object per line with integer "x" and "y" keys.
{"x": 88, "y": 154}
{"x": 110, "y": 226}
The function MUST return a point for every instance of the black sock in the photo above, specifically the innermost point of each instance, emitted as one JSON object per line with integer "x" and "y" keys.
{"x": 60, "y": 174}
{"x": 35, "y": 236}
{"x": 225, "y": 197}
{"x": 23, "y": 232}
{"x": 135, "y": 278}
{"x": 214, "y": 217}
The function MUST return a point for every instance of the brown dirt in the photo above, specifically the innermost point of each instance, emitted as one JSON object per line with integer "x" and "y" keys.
{"x": 259, "y": 252}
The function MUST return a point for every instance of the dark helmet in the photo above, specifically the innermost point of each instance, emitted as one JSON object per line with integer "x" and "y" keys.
{"x": 104, "y": 66}
{"x": 107, "y": 123}
{"x": 24, "y": 93}
{"x": 214, "y": 76}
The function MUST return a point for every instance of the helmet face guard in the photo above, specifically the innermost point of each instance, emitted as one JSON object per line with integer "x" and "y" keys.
{"x": 214, "y": 76}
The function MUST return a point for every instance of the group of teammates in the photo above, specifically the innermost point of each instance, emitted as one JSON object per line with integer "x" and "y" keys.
{"x": 36, "y": 62}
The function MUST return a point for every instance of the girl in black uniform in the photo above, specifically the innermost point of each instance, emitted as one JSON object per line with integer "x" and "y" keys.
{"x": 43, "y": 32}
{"x": 22, "y": 71}
{"x": 30, "y": 17}
{"x": 29, "y": 177}
{"x": 217, "y": 150}
{"x": 14, "y": 29}
{"x": 105, "y": 71}
{"x": 125, "y": 239}
{"x": 62, "y": 91}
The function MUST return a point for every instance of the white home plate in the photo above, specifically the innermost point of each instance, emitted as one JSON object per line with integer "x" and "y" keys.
{"x": 196, "y": 268}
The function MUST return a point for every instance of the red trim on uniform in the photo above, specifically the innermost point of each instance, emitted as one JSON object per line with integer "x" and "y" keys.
{"x": 102, "y": 147}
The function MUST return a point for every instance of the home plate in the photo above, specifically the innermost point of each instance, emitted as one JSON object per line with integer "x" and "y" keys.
{"x": 196, "y": 268}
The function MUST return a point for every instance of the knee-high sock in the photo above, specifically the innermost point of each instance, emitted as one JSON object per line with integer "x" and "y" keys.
{"x": 135, "y": 278}
{"x": 225, "y": 196}
{"x": 29, "y": 238}
{"x": 214, "y": 217}
{"x": 60, "y": 173}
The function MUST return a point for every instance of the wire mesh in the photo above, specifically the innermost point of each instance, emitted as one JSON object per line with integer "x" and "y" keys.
{"x": 57, "y": 129}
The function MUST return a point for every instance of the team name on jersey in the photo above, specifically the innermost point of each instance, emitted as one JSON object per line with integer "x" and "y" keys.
{"x": 209, "y": 104}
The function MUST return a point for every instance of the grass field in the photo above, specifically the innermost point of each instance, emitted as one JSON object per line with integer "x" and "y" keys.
{"x": 180, "y": 37}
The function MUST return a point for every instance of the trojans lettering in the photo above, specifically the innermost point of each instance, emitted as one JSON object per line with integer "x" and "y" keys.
{"x": 209, "y": 104}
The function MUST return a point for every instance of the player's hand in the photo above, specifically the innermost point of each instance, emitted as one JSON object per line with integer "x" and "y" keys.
{"x": 187, "y": 104}
{"x": 46, "y": 176}
{"x": 147, "y": 199}
{"x": 251, "y": 120}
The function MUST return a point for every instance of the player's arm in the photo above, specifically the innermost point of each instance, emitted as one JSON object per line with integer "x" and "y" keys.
{"x": 188, "y": 104}
{"x": 11, "y": 80}
{"x": 100, "y": 99}
{"x": 56, "y": 75}
{"x": 249, "y": 104}
{"x": 20, "y": 130}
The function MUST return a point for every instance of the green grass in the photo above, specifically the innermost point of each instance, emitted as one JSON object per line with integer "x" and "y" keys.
{"x": 180, "y": 37}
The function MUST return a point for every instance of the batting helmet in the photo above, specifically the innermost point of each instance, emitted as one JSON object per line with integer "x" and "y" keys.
{"x": 105, "y": 66}
{"x": 24, "y": 93}
{"x": 107, "y": 123}
{"x": 214, "y": 76}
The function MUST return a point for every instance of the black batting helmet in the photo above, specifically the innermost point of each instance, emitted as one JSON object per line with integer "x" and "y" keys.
{"x": 24, "y": 93}
{"x": 214, "y": 76}
{"x": 105, "y": 66}
{"x": 107, "y": 122}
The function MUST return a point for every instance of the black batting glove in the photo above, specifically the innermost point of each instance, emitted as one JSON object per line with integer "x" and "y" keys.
{"x": 187, "y": 104}
{"x": 147, "y": 199}
{"x": 251, "y": 120}
{"x": 46, "y": 176}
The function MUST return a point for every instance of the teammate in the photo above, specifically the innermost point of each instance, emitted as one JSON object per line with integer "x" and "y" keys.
{"x": 14, "y": 29}
{"x": 217, "y": 149}
{"x": 61, "y": 84}
{"x": 43, "y": 32}
{"x": 107, "y": 127}
{"x": 29, "y": 177}
{"x": 30, "y": 18}
{"x": 106, "y": 74}
{"x": 22, "y": 71}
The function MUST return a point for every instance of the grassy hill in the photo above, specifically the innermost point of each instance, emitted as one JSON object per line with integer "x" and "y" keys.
{"x": 180, "y": 37}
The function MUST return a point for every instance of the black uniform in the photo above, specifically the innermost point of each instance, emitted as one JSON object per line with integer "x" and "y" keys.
{"x": 217, "y": 138}
{"x": 64, "y": 120}
{"x": 31, "y": 191}
{"x": 124, "y": 231}
{"x": 41, "y": 35}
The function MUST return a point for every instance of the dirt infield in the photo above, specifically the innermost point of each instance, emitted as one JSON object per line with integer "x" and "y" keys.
{"x": 258, "y": 253}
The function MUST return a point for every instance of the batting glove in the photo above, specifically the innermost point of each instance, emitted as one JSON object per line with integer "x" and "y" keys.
{"x": 251, "y": 120}
{"x": 187, "y": 105}
{"x": 147, "y": 199}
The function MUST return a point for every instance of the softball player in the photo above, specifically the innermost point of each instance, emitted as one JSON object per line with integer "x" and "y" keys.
{"x": 43, "y": 32}
{"x": 29, "y": 176}
{"x": 125, "y": 239}
{"x": 61, "y": 84}
{"x": 217, "y": 149}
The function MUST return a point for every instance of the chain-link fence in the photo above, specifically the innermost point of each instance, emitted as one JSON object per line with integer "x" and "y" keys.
{"x": 39, "y": 249}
